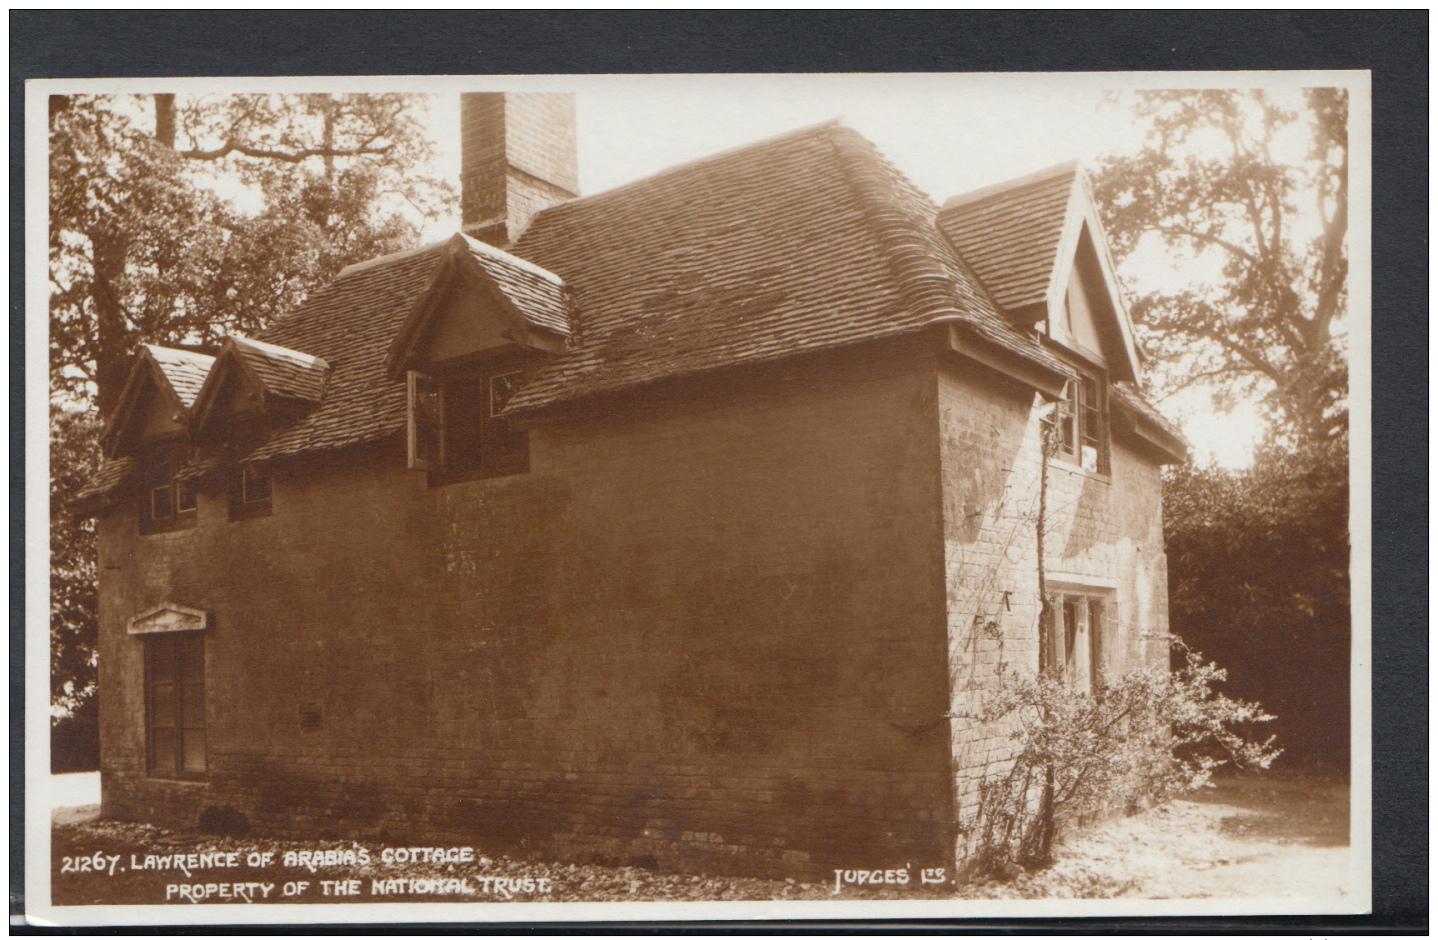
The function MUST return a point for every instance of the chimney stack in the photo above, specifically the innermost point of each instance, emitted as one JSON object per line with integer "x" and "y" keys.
{"x": 519, "y": 154}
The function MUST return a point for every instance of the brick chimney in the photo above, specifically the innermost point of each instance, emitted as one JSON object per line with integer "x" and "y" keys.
{"x": 519, "y": 154}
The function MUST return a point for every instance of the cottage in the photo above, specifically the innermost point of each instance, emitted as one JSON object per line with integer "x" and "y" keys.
{"x": 677, "y": 524}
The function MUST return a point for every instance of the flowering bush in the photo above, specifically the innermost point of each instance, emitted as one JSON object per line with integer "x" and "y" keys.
{"x": 1147, "y": 733}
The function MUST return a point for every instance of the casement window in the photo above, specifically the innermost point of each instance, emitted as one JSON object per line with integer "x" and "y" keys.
{"x": 456, "y": 427}
{"x": 1079, "y": 425}
{"x": 1073, "y": 641}
{"x": 249, "y": 492}
{"x": 169, "y": 503}
{"x": 175, "y": 704}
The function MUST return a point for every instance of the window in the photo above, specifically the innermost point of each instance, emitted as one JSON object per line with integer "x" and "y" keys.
{"x": 249, "y": 493}
{"x": 169, "y": 502}
{"x": 1072, "y": 640}
{"x": 456, "y": 427}
{"x": 1079, "y": 424}
{"x": 175, "y": 703}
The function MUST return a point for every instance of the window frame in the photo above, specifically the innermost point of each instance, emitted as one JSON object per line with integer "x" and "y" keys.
{"x": 174, "y": 651}
{"x": 1058, "y": 636}
{"x": 1080, "y": 421}
{"x": 244, "y": 505}
{"x": 161, "y": 475}
{"x": 435, "y": 436}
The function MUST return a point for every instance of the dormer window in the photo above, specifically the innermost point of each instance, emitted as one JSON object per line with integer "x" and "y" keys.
{"x": 457, "y": 429}
{"x": 249, "y": 492}
{"x": 169, "y": 501}
{"x": 1079, "y": 424}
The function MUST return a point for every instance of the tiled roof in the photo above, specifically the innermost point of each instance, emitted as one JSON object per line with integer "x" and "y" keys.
{"x": 806, "y": 242}
{"x": 114, "y": 472}
{"x": 184, "y": 369}
{"x": 350, "y": 323}
{"x": 284, "y": 372}
{"x": 1136, "y": 402}
{"x": 536, "y": 294}
{"x": 801, "y": 243}
{"x": 1010, "y": 234}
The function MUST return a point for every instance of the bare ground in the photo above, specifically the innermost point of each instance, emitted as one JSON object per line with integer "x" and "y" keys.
{"x": 1244, "y": 838}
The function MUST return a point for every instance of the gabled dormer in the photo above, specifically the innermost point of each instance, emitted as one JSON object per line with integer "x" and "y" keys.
{"x": 480, "y": 302}
{"x": 1039, "y": 247}
{"x": 483, "y": 322}
{"x": 156, "y": 403}
{"x": 254, "y": 384}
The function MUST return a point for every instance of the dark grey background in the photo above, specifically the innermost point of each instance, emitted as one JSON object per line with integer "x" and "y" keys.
{"x": 1394, "y": 45}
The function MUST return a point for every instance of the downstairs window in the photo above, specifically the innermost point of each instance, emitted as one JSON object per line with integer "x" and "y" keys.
{"x": 175, "y": 704}
{"x": 1073, "y": 640}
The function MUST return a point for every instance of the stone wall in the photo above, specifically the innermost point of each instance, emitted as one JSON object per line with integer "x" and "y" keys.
{"x": 705, "y": 631}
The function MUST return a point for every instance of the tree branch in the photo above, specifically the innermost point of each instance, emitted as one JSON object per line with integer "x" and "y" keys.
{"x": 1205, "y": 237}
{"x": 296, "y": 156}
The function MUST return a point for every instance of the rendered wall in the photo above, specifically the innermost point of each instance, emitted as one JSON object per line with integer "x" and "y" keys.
{"x": 707, "y": 628}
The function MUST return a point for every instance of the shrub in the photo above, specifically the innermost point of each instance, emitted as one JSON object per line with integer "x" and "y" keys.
{"x": 1144, "y": 734}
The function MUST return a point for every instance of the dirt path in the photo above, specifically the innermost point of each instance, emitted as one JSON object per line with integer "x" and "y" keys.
{"x": 1244, "y": 838}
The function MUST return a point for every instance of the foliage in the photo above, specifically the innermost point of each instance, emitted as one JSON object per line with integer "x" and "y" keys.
{"x": 143, "y": 249}
{"x": 149, "y": 243}
{"x": 1219, "y": 178}
{"x": 1259, "y": 577}
{"x": 1147, "y": 732}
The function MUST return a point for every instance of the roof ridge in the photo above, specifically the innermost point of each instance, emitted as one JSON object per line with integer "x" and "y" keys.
{"x": 1031, "y": 179}
{"x": 929, "y": 289}
{"x": 359, "y": 266}
{"x": 504, "y": 257}
{"x": 302, "y": 358}
{"x": 686, "y": 166}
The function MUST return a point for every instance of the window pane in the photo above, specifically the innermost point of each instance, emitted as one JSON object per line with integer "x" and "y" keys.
{"x": 1096, "y": 639}
{"x": 191, "y": 652}
{"x": 255, "y": 486}
{"x": 186, "y": 501}
{"x": 163, "y": 750}
{"x": 464, "y": 416}
{"x": 1070, "y": 630}
{"x": 162, "y": 502}
{"x": 194, "y": 750}
{"x": 501, "y": 390}
{"x": 163, "y": 713}
{"x": 192, "y": 705}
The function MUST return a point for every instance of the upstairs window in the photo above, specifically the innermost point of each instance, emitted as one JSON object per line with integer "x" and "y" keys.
{"x": 249, "y": 493}
{"x": 456, "y": 427}
{"x": 1079, "y": 425}
{"x": 169, "y": 502}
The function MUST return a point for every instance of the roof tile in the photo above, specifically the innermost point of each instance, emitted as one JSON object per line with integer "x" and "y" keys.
{"x": 1010, "y": 235}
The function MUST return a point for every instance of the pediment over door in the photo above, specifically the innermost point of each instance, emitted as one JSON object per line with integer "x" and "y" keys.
{"x": 168, "y": 618}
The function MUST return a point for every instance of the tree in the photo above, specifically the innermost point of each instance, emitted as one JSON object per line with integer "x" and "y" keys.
{"x": 1220, "y": 177}
{"x": 148, "y": 244}
{"x": 1259, "y": 562}
{"x": 1258, "y": 558}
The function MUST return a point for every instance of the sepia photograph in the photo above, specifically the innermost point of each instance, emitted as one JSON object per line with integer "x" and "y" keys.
{"x": 716, "y": 497}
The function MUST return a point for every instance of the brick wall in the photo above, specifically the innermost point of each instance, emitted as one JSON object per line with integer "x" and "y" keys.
{"x": 519, "y": 154}
{"x": 706, "y": 628}
{"x": 1104, "y": 529}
